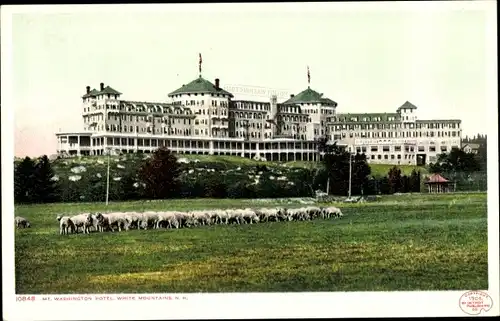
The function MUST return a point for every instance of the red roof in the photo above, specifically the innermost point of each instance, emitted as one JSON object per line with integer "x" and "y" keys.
{"x": 436, "y": 178}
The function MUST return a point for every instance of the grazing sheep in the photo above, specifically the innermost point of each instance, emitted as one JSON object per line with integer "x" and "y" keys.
{"x": 313, "y": 211}
{"x": 332, "y": 211}
{"x": 181, "y": 218}
{"x": 66, "y": 225}
{"x": 221, "y": 217}
{"x": 190, "y": 220}
{"x": 148, "y": 220}
{"x": 267, "y": 214}
{"x": 83, "y": 221}
{"x": 176, "y": 219}
{"x": 201, "y": 217}
{"x": 168, "y": 218}
{"x": 95, "y": 223}
{"x": 110, "y": 220}
{"x": 235, "y": 216}
{"x": 21, "y": 222}
{"x": 133, "y": 219}
{"x": 249, "y": 216}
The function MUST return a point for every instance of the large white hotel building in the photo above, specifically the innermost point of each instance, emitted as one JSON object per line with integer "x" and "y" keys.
{"x": 203, "y": 118}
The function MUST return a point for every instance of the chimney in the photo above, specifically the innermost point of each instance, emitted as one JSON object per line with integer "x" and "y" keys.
{"x": 102, "y": 86}
{"x": 292, "y": 95}
{"x": 217, "y": 83}
{"x": 88, "y": 89}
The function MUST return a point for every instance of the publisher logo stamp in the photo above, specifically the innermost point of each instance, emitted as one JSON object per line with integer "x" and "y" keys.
{"x": 473, "y": 302}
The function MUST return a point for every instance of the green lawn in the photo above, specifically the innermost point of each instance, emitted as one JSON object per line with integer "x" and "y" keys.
{"x": 408, "y": 242}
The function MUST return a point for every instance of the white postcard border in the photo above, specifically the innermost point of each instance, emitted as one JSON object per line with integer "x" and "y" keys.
{"x": 248, "y": 305}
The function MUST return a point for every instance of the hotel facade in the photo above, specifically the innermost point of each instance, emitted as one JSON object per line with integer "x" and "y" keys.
{"x": 203, "y": 118}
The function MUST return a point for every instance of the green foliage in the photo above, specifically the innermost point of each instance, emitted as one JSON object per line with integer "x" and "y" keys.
{"x": 46, "y": 189}
{"x": 160, "y": 175}
{"x": 401, "y": 243}
{"x": 455, "y": 161}
{"x": 337, "y": 163}
{"x": 34, "y": 181}
{"x": 24, "y": 181}
{"x": 395, "y": 180}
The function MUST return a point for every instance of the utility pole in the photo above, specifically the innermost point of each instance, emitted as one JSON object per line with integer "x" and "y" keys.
{"x": 350, "y": 173}
{"x": 107, "y": 178}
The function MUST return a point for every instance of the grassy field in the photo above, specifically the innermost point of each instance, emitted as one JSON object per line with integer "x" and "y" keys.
{"x": 408, "y": 242}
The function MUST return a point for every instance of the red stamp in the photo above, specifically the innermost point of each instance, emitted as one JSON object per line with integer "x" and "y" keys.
{"x": 473, "y": 302}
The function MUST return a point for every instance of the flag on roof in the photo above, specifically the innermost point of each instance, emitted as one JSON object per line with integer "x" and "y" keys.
{"x": 199, "y": 67}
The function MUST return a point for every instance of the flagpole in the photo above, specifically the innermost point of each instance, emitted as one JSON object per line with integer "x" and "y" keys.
{"x": 308, "y": 78}
{"x": 199, "y": 64}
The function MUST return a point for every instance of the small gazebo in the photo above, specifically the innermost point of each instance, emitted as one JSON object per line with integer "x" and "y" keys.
{"x": 438, "y": 184}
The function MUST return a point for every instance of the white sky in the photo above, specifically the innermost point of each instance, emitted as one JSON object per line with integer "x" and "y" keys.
{"x": 367, "y": 57}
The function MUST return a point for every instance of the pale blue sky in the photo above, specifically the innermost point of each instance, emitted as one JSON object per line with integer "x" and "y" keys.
{"x": 366, "y": 60}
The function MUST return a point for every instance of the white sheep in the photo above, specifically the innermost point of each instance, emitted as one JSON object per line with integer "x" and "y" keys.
{"x": 333, "y": 211}
{"x": 168, "y": 218}
{"x": 110, "y": 220}
{"x": 66, "y": 225}
{"x": 235, "y": 216}
{"x": 249, "y": 216}
{"x": 148, "y": 220}
{"x": 201, "y": 217}
{"x": 182, "y": 218}
{"x": 21, "y": 222}
{"x": 313, "y": 211}
{"x": 133, "y": 219}
{"x": 222, "y": 217}
{"x": 263, "y": 214}
{"x": 83, "y": 221}
{"x": 95, "y": 223}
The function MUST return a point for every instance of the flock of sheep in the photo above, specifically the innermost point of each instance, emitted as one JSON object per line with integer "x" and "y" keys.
{"x": 88, "y": 222}
{"x": 99, "y": 222}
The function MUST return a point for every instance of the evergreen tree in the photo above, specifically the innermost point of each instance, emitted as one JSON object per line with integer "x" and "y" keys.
{"x": 45, "y": 187}
{"x": 414, "y": 182}
{"x": 24, "y": 179}
{"x": 394, "y": 180}
{"x": 360, "y": 174}
{"x": 160, "y": 175}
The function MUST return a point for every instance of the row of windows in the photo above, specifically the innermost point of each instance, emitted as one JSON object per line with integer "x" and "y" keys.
{"x": 301, "y": 119}
{"x": 289, "y": 109}
{"x": 214, "y": 103}
{"x": 394, "y": 135}
{"x": 100, "y": 97}
{"x": 251, "y": 105}
{"x": 406, "y": 156}
{"x": 221, "y": 112}
{"x": 391, "y": 126}
{"x": 185, "y": 121}
{"x": 407, "y": 149}
{"x": 288, "y": 127}
{"x": 243, "y": 124}
{"x": 394, "y": 126}
{"x": 139, "y": 107}
{"x": 246, "y": 114}
{"x": 137, "y": 129}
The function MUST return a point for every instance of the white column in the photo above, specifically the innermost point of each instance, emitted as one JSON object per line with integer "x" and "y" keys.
{"x": 78, "y": 153}
{"x": 211, "y": 146}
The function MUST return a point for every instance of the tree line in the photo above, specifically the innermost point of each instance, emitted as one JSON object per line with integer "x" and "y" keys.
{"x": 161, "y": 177}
